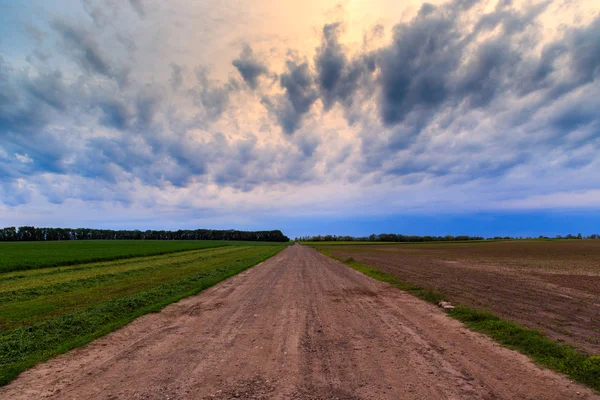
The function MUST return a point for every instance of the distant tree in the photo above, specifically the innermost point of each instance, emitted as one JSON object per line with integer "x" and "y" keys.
{"x": 391, "y": 237}
{"x": 30, "y": 233}
{"x": 9, "y": 234}
{"x": 26, "y": 233}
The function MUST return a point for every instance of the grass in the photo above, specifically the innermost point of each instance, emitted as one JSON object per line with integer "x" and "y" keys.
{"x": 561, "y": 358}
{"x": 16, "y": 256}
{"x": 46, "y": 312}
{"x": 431, "y": 296}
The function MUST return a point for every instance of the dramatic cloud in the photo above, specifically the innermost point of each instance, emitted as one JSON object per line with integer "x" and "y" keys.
{"x": 84, "y": 48}
{"x": 299, "y": 96}
{"x": 213, "y": 96}
{"x": 338, "y": 78}
{"x": 250, "y": 68}
{"x": 476, "y": 106}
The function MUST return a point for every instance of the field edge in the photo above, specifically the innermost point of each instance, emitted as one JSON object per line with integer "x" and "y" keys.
{"x": 534, "y": 344}
{"x": 13, "y": 371}
{"x": 205, "y": 244}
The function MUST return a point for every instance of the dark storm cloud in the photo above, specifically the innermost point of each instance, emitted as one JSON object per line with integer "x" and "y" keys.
{"x": 27, "y": 103}
{"x": 337, "y": 77}
{"x": 487, "y": 74}
{"x": 50, "y": 89}
{"x": 510, "y": 20}
{"x": 159, "y": 159}
{"x": 215, "y": 100}
{"x": 235, "y": 170}
{"x": 415, "y": 68}
{"x": 434, "y": 75}
{"x": 298, "y": 85}
{"x": 44, "y": 151}
{"x": 213, "y": 96}
{"x": 16, "y": 113}
{"x": 431, "y": 65}
{"x": 573, "y": 117}
{"x": 330, "y": 62}
{"x": 299, "y": 95}
{"x": 115, "y": 114}
{"x": 85, "y": 48}
{"x": 584, "y": 48}
{"x": 307, "y": 144}
{"x": 86, "y": 51}
{"x": 537, "y": 73}
{"x": 109, "y": 159}
{"x": 249, "y": 67}
{"x": 147, "y": 104}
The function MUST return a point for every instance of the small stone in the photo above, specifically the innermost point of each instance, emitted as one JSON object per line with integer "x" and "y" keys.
{"x": 446, "y": 305}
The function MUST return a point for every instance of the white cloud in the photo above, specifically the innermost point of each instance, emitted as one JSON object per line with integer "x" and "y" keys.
{"x": 23, "y": 158}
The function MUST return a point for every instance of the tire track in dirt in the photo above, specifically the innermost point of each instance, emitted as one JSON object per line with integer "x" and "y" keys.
{"x": 298, "y": 326}
{"x": 566, "y": 314}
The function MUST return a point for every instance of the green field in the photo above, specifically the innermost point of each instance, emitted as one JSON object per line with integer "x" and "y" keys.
{"x": 46, "y": 311}
{"x": 15, "y": 256}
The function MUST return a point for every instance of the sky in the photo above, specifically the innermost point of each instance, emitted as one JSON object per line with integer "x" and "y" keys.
{"x": 313, "y": 117}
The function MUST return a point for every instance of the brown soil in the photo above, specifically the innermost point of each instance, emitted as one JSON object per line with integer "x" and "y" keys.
{"x": 298, "y": 326}
{"x": 536, "y": 284}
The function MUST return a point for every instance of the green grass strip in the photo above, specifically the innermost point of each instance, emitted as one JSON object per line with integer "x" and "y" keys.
{"x": 96, "y": 280}
{"x": 26, "y": 346}
{"x": 534, "y": 344}
{"x": 23, "y": 256}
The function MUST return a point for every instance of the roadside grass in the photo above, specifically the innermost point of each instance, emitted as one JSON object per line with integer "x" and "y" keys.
{"x": 42, "y": 298}
{"x": 66, "y": 317}
{"x": 17, "y": 256}
{"x": 545, "y": 352}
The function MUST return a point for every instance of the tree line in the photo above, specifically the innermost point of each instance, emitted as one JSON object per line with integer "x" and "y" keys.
{"x": 385, "y": 237}
{"x": 393, "y": 237}
{"x": 31, "y": 233}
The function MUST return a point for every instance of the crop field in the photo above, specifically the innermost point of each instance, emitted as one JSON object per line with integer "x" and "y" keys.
{"x": 550, "y": 286}
{"x": 31, "y": 255}
{"x": 46, "y": 311}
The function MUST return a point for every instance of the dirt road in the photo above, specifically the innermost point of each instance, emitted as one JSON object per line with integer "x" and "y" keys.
{"x": 298, "y": 326}
{"x": 552, "y": 286}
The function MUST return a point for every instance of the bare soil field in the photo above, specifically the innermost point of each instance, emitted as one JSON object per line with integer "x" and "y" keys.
{"x": 552, "y": 286}
{"x": 298, "y": 326}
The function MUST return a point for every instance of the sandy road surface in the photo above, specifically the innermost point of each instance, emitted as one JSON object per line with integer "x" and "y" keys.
{"x": 298, "y": 326}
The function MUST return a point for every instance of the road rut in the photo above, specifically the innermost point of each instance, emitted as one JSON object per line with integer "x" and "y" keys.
{"x": 298, "y": 326}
